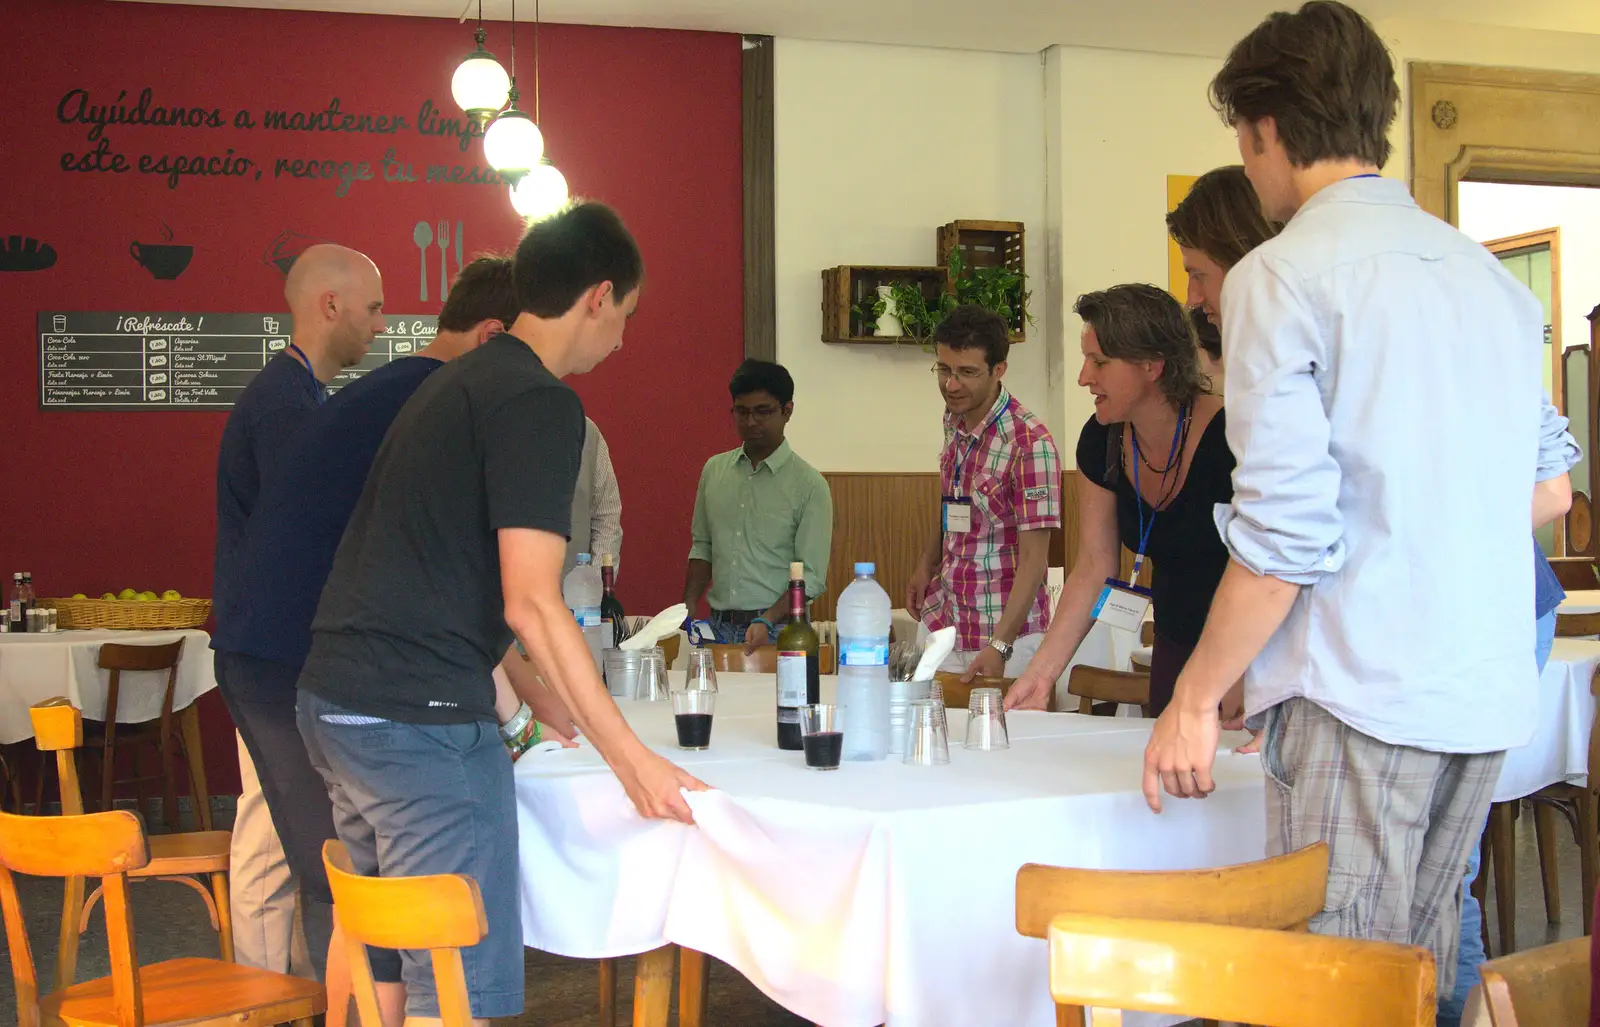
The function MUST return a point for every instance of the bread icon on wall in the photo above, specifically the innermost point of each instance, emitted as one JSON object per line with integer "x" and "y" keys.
{"x": 20, "y": 253}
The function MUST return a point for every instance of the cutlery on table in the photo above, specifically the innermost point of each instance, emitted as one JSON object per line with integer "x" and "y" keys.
{"x": 422, "y": 235}
{"x": 461, "y": 264}
{"x": 444, "y": 259}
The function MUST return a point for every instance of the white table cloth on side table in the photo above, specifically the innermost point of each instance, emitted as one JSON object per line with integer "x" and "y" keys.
{"x": 879, "y": 893}
{"x": 1581, "y": 601}
{"x": 1559, "y": 749}
{"x": 36, "y": 667}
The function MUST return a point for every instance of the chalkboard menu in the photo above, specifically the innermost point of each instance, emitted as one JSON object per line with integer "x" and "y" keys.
{"x": 93, "y": 360}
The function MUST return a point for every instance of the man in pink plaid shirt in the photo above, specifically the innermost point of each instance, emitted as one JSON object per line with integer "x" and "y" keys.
{"x": 1000, "y": 482}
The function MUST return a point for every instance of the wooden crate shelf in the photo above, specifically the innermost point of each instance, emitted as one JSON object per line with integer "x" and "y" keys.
{"x": 986, "y": 244}
{"x": 849, "y": 286}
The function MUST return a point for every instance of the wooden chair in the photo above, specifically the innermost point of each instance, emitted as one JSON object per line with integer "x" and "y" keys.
{"x": 1577, "y": 625}
{"x": 58, "y": 728}
{"x": 442, "y": 913}
{"x": 1240, "y": 974}
{"x": 1108, "y": 688}
{"x": 192, "y": 992}
{"x": 1576, "y": 573}
{"x": 1543, "y": 987}
{"x": 1147, "y": 633}
{"x": 1278, "y": 894}
{"x": 732, "y": 659}
{"x": 1580, "y": 803}
{"x": 958, "y": 694}
{"x": 669, "y": 648}
{"x": 180, "y": 728}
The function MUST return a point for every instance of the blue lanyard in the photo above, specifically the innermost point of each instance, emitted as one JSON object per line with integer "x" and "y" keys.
{"x": 1138, "y": 497}
{"x": 322, "y": 391}
{"x": 956, "y": 485}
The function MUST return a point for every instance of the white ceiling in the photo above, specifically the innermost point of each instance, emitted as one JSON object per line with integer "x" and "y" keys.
{"x": 1023, "y": 26}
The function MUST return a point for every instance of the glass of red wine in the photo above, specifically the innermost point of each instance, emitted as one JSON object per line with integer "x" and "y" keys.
{"x": 693, "y": 709}
{"x": 820, "y": 736}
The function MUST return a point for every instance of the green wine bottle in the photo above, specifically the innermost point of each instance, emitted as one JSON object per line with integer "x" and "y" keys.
{"x": 799, "y": 662}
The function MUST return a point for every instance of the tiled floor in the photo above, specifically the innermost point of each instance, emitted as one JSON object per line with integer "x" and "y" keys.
{"x": 169, "y": 922}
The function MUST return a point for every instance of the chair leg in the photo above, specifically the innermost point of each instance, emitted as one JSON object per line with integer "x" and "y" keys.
{"x": 652, "y": 986}
{"x": 608, "y": 993}
{"x": 1480, "y": 889}
{"x": 108, "y": 769}
{"x": 189, "y": 725}
{"x": 1544, "y": 829}
{"x": 1505, "y": 873}
{"x": 169, "y": 790}
{"x": 693, "y": 987}
{"x": 1589, "y": 851}
{"x": 38, "y": 783}
{"x": 219, "y": 891}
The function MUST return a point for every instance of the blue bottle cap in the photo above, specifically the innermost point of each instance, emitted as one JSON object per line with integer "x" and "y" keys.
{"x": 865, "y": 568}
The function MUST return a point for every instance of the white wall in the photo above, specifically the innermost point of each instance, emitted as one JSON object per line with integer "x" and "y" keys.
{"x": 876, "y": 146}
{"x": 1491, "y": 210}
{"x": 1120, "y": 123}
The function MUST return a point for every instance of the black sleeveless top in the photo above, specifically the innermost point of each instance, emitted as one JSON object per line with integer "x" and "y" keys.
{"x": 1185, "y": 549}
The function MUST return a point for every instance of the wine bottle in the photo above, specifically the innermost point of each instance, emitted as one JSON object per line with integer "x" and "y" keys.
{"x": 613, "y": 621}
{"x": 799, "y": 663}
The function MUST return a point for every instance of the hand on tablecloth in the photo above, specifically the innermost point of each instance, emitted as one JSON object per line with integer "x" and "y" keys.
{"x": 1032, "y": 691}
{"x": 654, "y": 786}
{"x": 756, "y": 636}
{"x": 1182, "y": 749}
{"x": 988, "y": 663}
{"x": 567, "y": 738}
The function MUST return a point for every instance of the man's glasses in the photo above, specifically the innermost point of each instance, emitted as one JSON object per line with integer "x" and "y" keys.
{"x": 966, "y": 374}
{"x": 761, "y": 413}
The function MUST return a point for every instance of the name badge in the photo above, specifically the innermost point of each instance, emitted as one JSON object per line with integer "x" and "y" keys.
{"x": 1121, "y": 605}
{"x": 957, "y": 515}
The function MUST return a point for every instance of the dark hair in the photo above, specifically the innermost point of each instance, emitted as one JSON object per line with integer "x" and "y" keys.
{"x": 485, "y": 290}
{"x": 568, "y": 253}
{"x": 1206, "y": 333}
{"x": 1323, "y": 75}
{"x": 1221, "y": 217}
{"x": 1141, "y": 322}
{"x": 762, "y": 376}
{"x": 970, "y": 326}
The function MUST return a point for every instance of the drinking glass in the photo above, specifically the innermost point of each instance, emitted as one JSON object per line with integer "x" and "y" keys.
{"x": 820, "y": 736}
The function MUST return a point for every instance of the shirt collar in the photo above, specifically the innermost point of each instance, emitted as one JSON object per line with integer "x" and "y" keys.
{"x": 1001, "y": 401}
{"x": 773, "y": 463}
{"x": 1385, "y": 192}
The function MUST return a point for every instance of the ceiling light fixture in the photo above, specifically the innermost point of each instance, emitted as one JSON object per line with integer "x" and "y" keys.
{"x": 540, "y": 193}
{"x": 513, "y": 143}
{"x": 480, "y": 84}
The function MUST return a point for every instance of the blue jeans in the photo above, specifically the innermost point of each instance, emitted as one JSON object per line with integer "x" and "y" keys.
{"x": 1471, "y": 953}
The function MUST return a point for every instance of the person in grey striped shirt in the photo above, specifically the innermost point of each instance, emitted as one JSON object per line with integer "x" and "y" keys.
{"x": 596, "y": 505}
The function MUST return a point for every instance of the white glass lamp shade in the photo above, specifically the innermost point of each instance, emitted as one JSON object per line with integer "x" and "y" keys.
{"x": 513, "y": 144}
{"x": 480, "y": 85}
{"x": 540, "y": 193}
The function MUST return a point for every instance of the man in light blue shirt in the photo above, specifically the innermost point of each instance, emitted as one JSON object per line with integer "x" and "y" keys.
{"x": 1383, "y": 397}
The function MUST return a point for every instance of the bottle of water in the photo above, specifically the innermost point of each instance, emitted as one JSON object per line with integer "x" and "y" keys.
{"x": 582, "y": 592}
{"x": 863, "y": 622}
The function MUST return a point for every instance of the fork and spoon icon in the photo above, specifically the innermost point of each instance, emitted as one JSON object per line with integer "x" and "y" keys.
{"x": 424, "y": 236}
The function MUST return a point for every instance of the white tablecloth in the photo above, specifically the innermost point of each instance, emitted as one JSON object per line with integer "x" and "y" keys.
{"x": 1582, "y": 601}
{"x": 35, "y": 667}
{"x": 1559, "y": 750}
{"x": 879, "y": 893}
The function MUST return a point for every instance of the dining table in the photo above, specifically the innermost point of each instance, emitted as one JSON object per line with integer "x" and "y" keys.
{"x": 878, "y": 893}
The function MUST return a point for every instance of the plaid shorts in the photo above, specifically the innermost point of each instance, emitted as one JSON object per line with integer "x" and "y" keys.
{"x": 1399, "y": 823}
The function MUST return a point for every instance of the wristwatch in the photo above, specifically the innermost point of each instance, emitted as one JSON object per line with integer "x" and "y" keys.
{"x": 1005, "y": 649}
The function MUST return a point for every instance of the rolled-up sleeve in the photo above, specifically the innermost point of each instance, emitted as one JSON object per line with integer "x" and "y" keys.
{"x": 1284, "y": 520}
{"x": 813, "y": 540}
{"x": 1558, "y": 450}
{"x": 700, "y": 526}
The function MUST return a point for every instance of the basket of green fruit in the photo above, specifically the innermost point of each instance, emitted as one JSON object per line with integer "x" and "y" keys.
{"x": 131, "y": 610}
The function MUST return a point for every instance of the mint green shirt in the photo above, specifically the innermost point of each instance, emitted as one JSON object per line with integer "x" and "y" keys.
{"x": 751, "y": 522}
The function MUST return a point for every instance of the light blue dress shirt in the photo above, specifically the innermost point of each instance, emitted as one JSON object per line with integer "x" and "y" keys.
{"x": 1384, "y": 407}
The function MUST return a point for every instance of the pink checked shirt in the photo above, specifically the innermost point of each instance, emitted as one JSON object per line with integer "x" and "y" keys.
{"x": 1011, "y": 471}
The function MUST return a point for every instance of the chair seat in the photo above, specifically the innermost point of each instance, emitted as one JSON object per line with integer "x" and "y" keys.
{"x": 193, "y": 852}
{"x": 193, "y": 991}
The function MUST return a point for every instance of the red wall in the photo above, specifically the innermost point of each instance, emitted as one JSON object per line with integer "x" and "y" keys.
{"x": 647, "y": 121}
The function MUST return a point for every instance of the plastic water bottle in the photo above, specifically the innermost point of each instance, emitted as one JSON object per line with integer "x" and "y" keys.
{"x": 863, "y": 622}
{"x": 582, "y": 591}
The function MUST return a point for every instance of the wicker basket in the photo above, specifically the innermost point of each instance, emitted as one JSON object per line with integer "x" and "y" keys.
{"x": 155, "y": 615}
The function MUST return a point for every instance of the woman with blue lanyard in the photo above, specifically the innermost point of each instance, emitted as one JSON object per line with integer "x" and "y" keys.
{"x": 1153, "y": 462}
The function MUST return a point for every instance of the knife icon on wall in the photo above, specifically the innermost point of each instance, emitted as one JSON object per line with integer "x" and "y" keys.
{"x": 460, "y": 263}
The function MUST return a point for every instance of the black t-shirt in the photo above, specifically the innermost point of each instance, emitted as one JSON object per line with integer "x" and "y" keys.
{"x": 411, "y": 623}
{"x": 1185, "y": 550}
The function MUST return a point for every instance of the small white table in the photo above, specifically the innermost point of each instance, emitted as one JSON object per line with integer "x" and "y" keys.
{"x": 36, "y": 667}
{"x": 1559, "y": 749}
{"x": 878, "y": 893}
{"x": 1582, "y": 601}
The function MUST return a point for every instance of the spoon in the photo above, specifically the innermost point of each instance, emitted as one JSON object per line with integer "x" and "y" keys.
{"x": 422, "y": 235}
{"x": 941, "y": 644}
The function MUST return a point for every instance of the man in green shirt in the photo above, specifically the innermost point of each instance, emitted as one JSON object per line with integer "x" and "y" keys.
{"x": 759, "y": 508}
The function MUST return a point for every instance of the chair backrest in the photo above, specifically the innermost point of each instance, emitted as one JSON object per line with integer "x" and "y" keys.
{"x": 104, "y": 845}
{"x": 58, "y": 728}
{"x": 1580, "y": 526}
{"x": 1577, "y": 625}
{"x": 1147, "y": 633}
{"x": 442, "y": 913}
{"x": 732, "y": 659}
{"x": 1576, "y": 573}
{"x": 117, "y": 657}
{"x": 1240, "y": 974}
{"x": 1542, "y": 987}
{"x": 669, "y": 648}
{"x": 958, "y": 693}
{"x": 1097, "y": 685}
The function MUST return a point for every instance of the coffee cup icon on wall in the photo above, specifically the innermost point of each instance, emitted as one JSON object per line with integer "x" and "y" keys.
{"x": 163, "y": 260}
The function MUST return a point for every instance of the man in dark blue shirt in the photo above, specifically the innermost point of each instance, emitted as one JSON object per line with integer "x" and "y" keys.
{"x": 283, "y": 563}
{"x": 335, "y": 296}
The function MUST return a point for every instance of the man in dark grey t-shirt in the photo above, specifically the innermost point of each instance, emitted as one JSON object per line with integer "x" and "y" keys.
{"x": 454, "y": 550}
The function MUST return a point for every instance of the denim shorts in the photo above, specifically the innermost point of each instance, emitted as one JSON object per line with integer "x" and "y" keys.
{"x": 416, "y": 799}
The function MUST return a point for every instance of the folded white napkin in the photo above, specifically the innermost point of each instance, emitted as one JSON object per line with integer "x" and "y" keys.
{"x": 665, "y": 623}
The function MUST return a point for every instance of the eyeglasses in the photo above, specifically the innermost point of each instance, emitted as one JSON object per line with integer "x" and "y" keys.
{"x": 966, "y": 374}
{"x": 760, "y": 413}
